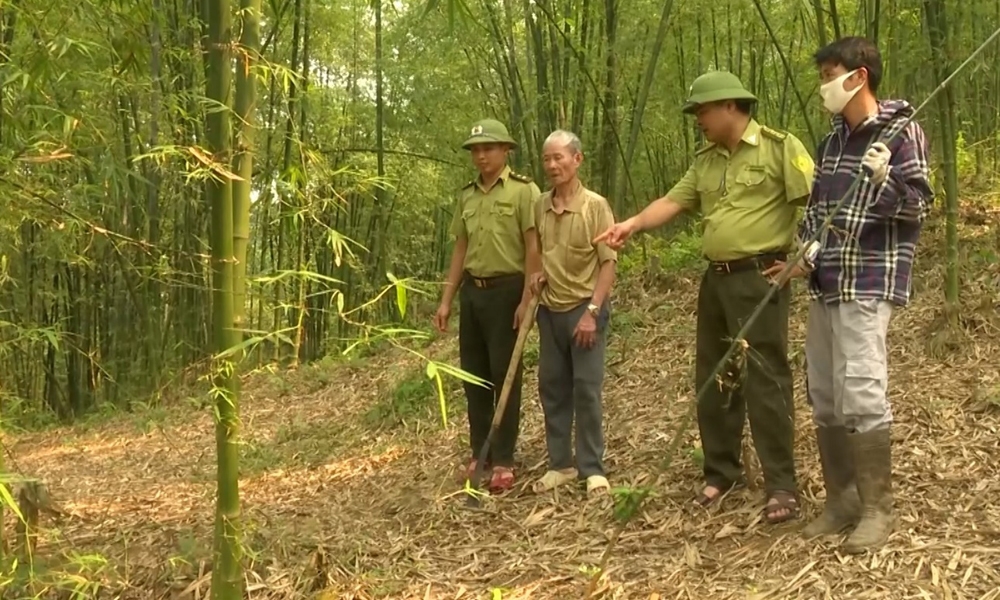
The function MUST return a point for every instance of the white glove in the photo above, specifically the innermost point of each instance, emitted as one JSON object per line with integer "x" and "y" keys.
{"x": 877, "y": 159}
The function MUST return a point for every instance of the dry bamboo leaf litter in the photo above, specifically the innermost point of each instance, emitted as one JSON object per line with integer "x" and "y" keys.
{"x": 333, "y": 504}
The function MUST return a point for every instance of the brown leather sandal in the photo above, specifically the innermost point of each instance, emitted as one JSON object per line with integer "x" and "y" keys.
{"x": 502, "y": 479}
{"x": 786, "y": 501}
{"x": 704, "y": 501}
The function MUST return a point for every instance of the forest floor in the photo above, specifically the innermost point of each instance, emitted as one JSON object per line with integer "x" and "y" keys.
{"x": 349, "y": 491}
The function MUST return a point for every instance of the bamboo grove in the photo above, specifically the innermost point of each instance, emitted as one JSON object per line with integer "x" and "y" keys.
{"x": 314, "y": 143}
{"x": 106, "y": 274}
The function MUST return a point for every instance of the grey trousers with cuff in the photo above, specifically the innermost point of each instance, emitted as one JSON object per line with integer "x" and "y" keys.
{"x": 570, "y": 382}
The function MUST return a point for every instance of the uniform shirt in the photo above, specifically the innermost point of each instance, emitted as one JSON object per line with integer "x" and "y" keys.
{"x": 494, "y": 222}
{"x": 867, "y": 253}
{"x": 748, "y": 198}
{"x": 569, "y": 258}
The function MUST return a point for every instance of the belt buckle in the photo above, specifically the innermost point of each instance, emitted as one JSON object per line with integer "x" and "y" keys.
{"x": 479, "y": 283}
{"x": 722, "y": 267}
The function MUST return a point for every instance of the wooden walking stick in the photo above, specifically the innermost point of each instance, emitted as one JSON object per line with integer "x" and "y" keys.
{"x": 472, "y": 497}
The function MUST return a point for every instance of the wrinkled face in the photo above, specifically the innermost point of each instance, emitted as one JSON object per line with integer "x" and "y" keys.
{"x": 560, "y": 161}
{"x": 716, "y": 120}
{"x": 489, "y": 158}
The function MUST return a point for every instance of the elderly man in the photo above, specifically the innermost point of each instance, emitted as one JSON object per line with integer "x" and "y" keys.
{"x": 495, "y": 254}
{"x": 861, "y": 271}
{"x": 574, "y": 308}
{"x": 747, "y": 182}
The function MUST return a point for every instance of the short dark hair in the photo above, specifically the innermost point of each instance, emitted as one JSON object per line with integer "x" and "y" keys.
{"x": 853, "y": 53}
{"x": 744, "y": 105}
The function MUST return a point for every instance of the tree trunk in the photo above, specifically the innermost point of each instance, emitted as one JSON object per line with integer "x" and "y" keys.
{"x": 246, "y": 114}
{"x": 938, "y": 32}
{"x": 227, "y": 576}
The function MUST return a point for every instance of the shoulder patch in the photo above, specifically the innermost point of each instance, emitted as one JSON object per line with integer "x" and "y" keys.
{"x": 519, "y": 177}
{"x": 774, "y": 134}
{"x": 803, "y": 163}
{"x": 704, "y": 148}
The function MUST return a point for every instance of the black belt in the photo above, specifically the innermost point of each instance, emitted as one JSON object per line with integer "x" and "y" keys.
{"x": 759, "y": 262}
{"x": 489, "y": 282}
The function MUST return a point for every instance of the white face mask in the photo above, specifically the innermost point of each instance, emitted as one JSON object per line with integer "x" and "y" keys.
{"x": 835, "y": 97}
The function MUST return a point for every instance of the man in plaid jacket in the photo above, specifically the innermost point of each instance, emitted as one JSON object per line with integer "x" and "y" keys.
{"x": 860, "y": 273}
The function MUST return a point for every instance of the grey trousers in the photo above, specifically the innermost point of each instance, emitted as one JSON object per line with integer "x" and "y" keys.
{"x": 847, "y": 364}
{"x": 570, "y": 381}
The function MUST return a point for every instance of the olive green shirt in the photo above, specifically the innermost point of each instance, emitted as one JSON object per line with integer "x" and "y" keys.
{"x": 570, "y": 259}
{"x": 494, "y": 222}
{"x": 748, "y": 199}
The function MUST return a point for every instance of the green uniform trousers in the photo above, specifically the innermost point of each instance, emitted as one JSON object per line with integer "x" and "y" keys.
{"x": 486, "y": 339}
{"x": 756, "y": 383}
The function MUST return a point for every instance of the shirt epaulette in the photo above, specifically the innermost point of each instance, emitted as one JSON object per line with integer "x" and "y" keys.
{"x": 521, "y": 178}
{"x": 704, "y": 148}
{"x": 468, "y": 185}
{"x": 774, "y": 134}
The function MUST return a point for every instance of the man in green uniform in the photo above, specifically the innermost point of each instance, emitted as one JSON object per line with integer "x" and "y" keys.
{"x": 746, "y": 182}
{"x": 496, "y": 252}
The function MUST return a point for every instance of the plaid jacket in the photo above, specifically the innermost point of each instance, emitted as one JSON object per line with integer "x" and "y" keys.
{"x": 867, "y": 252}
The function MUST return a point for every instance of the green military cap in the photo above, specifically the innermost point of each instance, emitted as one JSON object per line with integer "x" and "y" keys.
{"x": 714, "y": 86}
{"x": 488, "y": 131}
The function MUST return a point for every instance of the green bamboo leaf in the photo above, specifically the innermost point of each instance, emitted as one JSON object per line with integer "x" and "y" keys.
{"x": 401, "y": 300}
{"x": 395, "y": 331}
{"x": 463, "y": 375}
{"x": 442, "y": 404}
{"x": 255, "y": 340}
{"x": 400, "y": 294}
{"x": 339, "y": 244}
{"x": 291, "y": 273}
{"x": 52, "y": 338}
{"x": 433, "y": 373}
{"x": 7, "y": 499}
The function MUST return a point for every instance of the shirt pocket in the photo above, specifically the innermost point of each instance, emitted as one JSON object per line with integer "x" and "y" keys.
{"x": 751, "y": 176}
{"x": 503, "y": 219}
{"x": 709, "y": 189}
{"x": 750, "y": 185}
{"x": 579, "y": 234}
{"x": 470, "y": 216}
{"x": 576, "y": 252}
